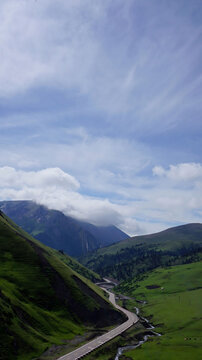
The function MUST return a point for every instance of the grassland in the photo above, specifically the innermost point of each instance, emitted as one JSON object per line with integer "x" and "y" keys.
{"x": 174, "y": 298}
{"x": 42, "y": 301}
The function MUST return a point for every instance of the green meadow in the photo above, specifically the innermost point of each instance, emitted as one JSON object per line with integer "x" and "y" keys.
{"x": 174, "y": 307}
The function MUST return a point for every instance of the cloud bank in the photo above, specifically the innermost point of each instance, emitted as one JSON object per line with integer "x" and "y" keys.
{"x": 57, "y": 190}
{"x": 158, "y": 203}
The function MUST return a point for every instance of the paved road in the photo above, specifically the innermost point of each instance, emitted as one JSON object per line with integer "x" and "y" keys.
{"x": 99, "y": 341}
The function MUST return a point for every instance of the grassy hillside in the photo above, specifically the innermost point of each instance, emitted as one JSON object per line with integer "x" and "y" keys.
{"x": 42, "y": 300}
{"x": 174, "y": 297}
{"x": 140, "y": 254}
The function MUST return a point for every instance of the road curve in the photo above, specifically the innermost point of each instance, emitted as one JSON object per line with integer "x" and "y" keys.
{"x": 99, "y": 341}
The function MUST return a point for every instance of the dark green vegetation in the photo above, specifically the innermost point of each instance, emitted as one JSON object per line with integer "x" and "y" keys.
{"x": 138, "y": 255}
{"x": 42, "y": 300}
{"x": 61, "y": 232}
{"x": 174, "y": 297}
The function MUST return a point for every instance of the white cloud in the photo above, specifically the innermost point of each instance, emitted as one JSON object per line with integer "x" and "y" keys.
{"x": 17, "y": 179}
{"x": 57, "y": 190}
{"x": 100, "y": 163}
{"x": 180, "y": 172}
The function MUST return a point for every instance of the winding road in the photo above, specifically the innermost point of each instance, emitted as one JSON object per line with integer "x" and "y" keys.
{"x": 99, "y": 341}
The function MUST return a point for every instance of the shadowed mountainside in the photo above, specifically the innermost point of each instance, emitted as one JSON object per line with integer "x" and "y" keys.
{"x": 59, "y": 231}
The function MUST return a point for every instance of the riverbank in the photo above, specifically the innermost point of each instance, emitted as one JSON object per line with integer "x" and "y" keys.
{"x": 141, "y": 338}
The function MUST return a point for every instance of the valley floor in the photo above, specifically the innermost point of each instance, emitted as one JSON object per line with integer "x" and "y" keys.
{"x": 173, "y": 304}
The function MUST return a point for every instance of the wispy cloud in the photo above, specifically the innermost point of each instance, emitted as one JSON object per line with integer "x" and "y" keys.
{"x": 106, "y": 91}
{"x": 181, "y": 172}
{"x": 79, "y": 47}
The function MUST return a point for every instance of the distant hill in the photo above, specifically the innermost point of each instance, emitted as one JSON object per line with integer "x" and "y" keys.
{"x": 136, "y": 255}
{"x": 59, "y": 231}
{"x": 42, "y": 300}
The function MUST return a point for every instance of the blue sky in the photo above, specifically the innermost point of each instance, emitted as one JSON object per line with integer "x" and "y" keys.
{"x": 100, "y": 109}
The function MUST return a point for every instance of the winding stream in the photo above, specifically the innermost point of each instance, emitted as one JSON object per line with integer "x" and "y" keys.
{"x": 150, "y": 327}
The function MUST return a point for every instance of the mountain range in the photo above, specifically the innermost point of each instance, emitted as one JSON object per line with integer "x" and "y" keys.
{"x": 59, "y": 231}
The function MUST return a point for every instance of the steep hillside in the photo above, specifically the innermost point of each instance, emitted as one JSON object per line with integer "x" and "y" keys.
{"x": 42, "y": 300}
{"x": 182, "y": 244}
{"x": 61, "y": 232}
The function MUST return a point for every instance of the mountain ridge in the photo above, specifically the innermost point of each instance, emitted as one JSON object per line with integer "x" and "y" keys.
{"x": 142, "y": 253}
{"x": 59, "y": 231}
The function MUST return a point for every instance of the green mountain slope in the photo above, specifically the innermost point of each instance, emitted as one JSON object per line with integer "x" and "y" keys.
{"x": 42, "y": 300}
{"x": 173, "y": 304}
{"x": 182, "y": 244}
{"x": 59, "y": 231}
